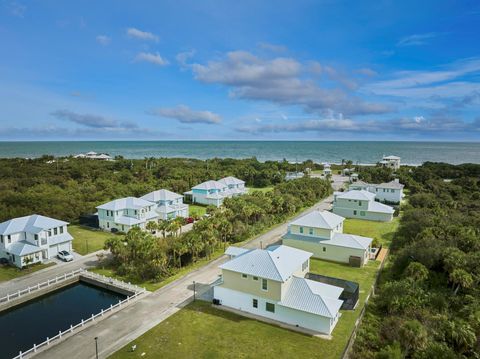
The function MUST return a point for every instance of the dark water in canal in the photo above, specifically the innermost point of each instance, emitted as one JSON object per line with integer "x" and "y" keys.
{"x": 34, "y": 321}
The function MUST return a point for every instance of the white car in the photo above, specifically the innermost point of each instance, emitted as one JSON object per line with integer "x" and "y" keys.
{"x": 65, "y": 256}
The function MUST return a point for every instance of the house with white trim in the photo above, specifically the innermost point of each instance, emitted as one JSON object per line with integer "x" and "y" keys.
{"x": 327, "y": 169}
{"x": 125, "y": 213}
{"x": 387, "y": 192}
{"x": 94, "y": 156}
{"x": 271, "y": 283}
{"x": 212, "y": 193}
{"x": 290, "y": 176}
{"x": 169, "y": 204}
{"x": 361, "y": 204}
{"x": 33, "y": 239}
{"x": 392, "y": 162}
{"x": 321, "y": 233}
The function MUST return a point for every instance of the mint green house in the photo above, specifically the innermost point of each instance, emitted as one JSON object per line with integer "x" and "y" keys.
{"x": 361, "y": 204}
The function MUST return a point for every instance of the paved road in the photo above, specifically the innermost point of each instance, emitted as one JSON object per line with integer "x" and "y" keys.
{"x": 124, "y": 326}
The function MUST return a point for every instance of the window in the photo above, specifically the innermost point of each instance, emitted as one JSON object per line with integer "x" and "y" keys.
{"x": 301, "y": 229}
{"x": 310, "y": 231}
{"x": 244, "y": 276}
{"x": 108, "y": 224}
{"x": 49, "y": 232}
{"x": 305, "y": 265}
{"x": 55, "y": 231}
{"x": 270, "y": 307}
{"x": 359, "y": 203}
{"x": 324, "y": 249}
{"x": 61, "y": 229}
{"x": 264, "y": 284}
{"x": 255, "y": 278}
{"x": 1, "y": 238}
{"x": 44, "y": 241}
{"x": 362, "y": 213}
{"x": 9, "y": 239}
{"x": 354, "y": 212}
{"x": 255, "y": 303}
{"x": 36, "y": 237}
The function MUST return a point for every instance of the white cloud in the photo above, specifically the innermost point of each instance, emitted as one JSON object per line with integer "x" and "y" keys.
{"x": 272, "y": 47}
{"x": 92, "y": 121}
{"x": 416, "y": 39}
{"x": 184, "y": 114}
{"x": 141, "y": 35}
{"x": 103, "y": 40}
{"x": 155, "y": 58}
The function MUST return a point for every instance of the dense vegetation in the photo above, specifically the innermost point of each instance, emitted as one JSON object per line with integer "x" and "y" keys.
{"x": 144, "y": 256}
{"x": 67, "y": 188}
{"x": 428, "y": 301}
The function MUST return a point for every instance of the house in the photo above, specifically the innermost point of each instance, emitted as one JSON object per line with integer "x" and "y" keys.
{"x": 212, "y": 193}
{"x": 271, "y": 283}
{"x": 389, "y": 192}
{"x": 348, "y": 171}
{"x": 321, "y": 233}
{"x": 33, "y": 239}
{"x": 94, "y": 156}
{"x": 169, "y": 204}
{"x": 327, "y": 170}
{"x": 361, "y": 204}
{"x": 125, "y": 213}
{"x": 293, "y": 175}
{"x": 235, "y": 186}
{"x": 354, "y": 177}
{"x": 392, "y": 162}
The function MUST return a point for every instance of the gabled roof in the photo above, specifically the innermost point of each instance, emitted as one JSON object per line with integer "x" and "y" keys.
{"x": 392, "y": 184}
{"x": 360, "y": 195}
{"x": 236, "y": 251}
{"x": 313, "y": 297}
{"x": 124, "y": 203}
{"x": 317, "y": 219}
{"x": 276, "y": 263}
{"x": 230, "y": 180}
{"x": 161, "y": 195}
{"x": 30, "y": 224}
{"x": 210, "y": 185}
{"x": 338, "y": 239}
{"x": 360, "y": 183}
{"x": 23, "y": 248}
{"x": 391, "y": 157}
{"x": 378, "y": 207}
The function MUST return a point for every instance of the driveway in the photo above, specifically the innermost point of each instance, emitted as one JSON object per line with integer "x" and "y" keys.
{"x": 124, "y": 326}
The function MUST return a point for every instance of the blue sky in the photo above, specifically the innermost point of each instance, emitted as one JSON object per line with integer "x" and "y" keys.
{"x": 250, "y": 70}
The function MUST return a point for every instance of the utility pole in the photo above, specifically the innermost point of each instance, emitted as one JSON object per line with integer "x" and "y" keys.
{"x": 96, "y": 347}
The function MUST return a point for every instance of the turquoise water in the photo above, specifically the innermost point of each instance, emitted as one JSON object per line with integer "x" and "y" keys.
{"x": 330, "y": 151}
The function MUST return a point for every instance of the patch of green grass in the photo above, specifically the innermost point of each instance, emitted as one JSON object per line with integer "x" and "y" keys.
{"x": 382, "y": 231}
{"x": 260, "y": 189}
{"x": 9, "y": 272}
{"x": 87, "y": 240}
{"x": 196, "y": 210}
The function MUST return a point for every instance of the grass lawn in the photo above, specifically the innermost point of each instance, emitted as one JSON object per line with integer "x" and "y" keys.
{"x": 383, "y": 231}
{"x": 196, "y": 210}
{"x": 9, "y": 272}
{"x": 261, "y": 189}
{"x": 87, "y": 240}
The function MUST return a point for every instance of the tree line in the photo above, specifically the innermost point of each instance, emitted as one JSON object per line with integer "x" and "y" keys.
{"x": 428, "y": 300}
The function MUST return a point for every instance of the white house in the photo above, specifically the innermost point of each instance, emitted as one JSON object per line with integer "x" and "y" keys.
{"x": 293, "y": 175}
{"x": 125, "y": 213}
{"x": 322, "y": 234}
{"x": 94, "y": 156}
{"x": 327, "y": 170}
{"x": 169, "y": 204}
{"x": 212, "y": 193}
{"x": 392, "y": 162}
{"x": 33, "y": 239}
{"x": 361, "y": 204}
{"x": 389, "y": 192}
{"x": 270, "y": 283}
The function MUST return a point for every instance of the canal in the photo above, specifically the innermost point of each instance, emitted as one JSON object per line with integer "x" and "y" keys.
{"x": 32, "y": 322}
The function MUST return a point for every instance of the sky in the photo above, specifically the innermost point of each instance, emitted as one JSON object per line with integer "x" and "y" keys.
{"x": 240, "y": 70}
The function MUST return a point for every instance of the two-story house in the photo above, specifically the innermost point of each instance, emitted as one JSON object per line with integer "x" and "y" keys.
{"x": 271, "y": 283}
{"x": 212, "y": 193}
{"x": 321, "y": 233}
{"x": 361, "y": 204}
{"x": 169, "y": 204}
{"x": 392, "y": 162}
{"x": 388, "y": 192}
{"x": 33, "y": 239}
{"x": 125, "y": 213}
{"x": 235, "y": 186}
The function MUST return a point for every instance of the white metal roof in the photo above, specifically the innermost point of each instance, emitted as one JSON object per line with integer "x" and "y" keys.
{"x": 30, "y": 224}
{"x": 23, "y": 248}
{"x": 210, "y": 185}
{"x": 319, "y": 219}
{"x": 276, "y": 263}
{"x": 236, "y": 251}
{"x": 378, "y": 207}
{"x": 361, "y": 195}
{"x": 392, "y": 184}
{"x": 124, "y": 203}
{"x": 350, "y": 241}
{"x": 391, "y": 157}
{"x": 161, "y": 195}
{"x": 230, "y": 180}
{"x": 313, "y": 297}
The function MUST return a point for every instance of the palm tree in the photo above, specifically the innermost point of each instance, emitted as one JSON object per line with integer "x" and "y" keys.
{"x": 151, "y": 226}
{"x": 162, "y": 226}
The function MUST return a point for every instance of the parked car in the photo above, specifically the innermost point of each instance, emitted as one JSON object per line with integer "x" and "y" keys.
{"x": 189, "y": 220}
{"x": 114, "y": 230}
{"x": 65, "y": 256}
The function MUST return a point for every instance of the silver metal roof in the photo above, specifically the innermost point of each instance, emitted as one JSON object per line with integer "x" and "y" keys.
{"x": 30, "y": 224}
{"x": 161, "y": 195}
{"x": 125, "y": 203}
{"x": 319, "y": 219}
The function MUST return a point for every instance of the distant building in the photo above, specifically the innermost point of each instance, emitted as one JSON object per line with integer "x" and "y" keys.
{"x": 361, "y": 204}
{"x": 212, "y": 193}
{"x": 94, "y": 156}
{"x": 169, "y": 204}
{"x": 33, "y": 239}
{"x": 294, "y": 175}
{"x": 327, "y": 170}
{"x": 389, "y": 192}
{"x": 392, "y": 162}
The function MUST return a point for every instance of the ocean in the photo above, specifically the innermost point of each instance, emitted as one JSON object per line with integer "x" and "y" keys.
{"x": 414, "y": 153}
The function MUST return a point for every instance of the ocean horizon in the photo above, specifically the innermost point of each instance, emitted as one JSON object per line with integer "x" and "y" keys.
{"x": 363, "y": 152}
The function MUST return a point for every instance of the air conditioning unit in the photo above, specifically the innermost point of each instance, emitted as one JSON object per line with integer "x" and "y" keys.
{"x": 216, "y": 301}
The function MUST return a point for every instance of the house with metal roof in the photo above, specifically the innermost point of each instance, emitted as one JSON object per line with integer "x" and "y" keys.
{"x": 387, "y": 192}
{"x": 361, "y": 204}
{"x": 321, "y": 233}
{"x": 212, "y": 193}
{"x": 271, "y": 283}
{"x": 169, "y": 204}
{"x": 33, "y": 239}
{"x": 125, "y": 213}
{"x": 392, "y": 162}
